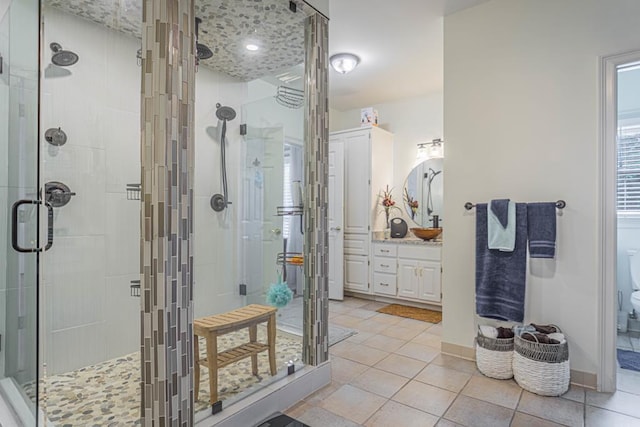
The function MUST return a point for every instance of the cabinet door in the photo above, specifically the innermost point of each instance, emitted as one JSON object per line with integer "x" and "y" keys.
{"x": 356, "y": 273}
{"x": 429, "y": 280}
{"x": 408, "y": 278}
{"x": 357, "y": 189}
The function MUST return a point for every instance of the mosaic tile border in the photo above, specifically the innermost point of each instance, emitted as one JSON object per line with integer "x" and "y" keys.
{"x": 316, "y": 159}
{"x": 167, "y": 115}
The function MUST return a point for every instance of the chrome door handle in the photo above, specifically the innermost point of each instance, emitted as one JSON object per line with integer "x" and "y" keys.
{"x": 276, "y": 231}
{"x": 14, "y": 226}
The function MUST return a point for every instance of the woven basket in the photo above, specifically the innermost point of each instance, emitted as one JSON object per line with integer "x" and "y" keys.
{"x": 541, "y": 368}
{"x": 494, "y": 356}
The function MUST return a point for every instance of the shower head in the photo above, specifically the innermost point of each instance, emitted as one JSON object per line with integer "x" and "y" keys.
{"x": 203, "y": 52}
{"x": 61, "y": 57}
{"x": 225, "y": 113}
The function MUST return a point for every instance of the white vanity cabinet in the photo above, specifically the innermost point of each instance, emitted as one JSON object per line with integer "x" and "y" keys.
{"x": 368, "y": 169}
{"x": 415, "y": 274}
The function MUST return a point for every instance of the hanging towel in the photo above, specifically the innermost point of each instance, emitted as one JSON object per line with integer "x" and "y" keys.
{"x": 501, "y": 225}
{"x": 541, "y": 218}
{"x": 501, "y": 276}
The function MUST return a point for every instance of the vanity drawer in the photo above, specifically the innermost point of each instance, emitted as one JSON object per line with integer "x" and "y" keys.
{"x": 380, "y": 249}
{"x": 384, "y": 283}
{"x": 356, "y": 244}
{"x": 420, "y": 252}
{"x": 384, "y": 265}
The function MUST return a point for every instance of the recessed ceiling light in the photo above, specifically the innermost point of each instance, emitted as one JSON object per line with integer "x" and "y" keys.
{"x": 252, "y": 47}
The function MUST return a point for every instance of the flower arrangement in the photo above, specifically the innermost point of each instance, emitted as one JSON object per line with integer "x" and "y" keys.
{"x": 411, "y": 202}
{"x": 387, "y": 203}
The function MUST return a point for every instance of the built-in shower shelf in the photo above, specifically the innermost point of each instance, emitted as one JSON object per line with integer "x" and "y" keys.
{"x": 133, "y": 191}
{"x": 289, "y": 210}
{"x": 290, "y": 258}
{"x": 135, "y": 288}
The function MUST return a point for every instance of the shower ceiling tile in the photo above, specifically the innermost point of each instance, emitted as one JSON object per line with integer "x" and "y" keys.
{"x": 227, "y": 26}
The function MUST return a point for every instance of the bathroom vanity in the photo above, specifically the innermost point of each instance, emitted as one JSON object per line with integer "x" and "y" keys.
{"x": 406, "y": 269}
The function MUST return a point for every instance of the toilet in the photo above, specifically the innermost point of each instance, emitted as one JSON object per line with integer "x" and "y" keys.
{"x": 634, "y": 265}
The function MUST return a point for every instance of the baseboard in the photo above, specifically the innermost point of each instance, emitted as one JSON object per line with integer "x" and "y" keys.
{"x": 390, "y": 300}
{"x": 276, "y": 397}
{"x": 579, "y": 378}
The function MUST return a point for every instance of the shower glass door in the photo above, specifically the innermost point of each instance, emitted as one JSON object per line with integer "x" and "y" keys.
{"x": 19, "y": 211}
{"x": 262, "y": 182}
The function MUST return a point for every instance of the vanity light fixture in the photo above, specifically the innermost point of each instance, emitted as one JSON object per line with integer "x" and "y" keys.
{"x": 344, "y": 62}
{"x": 431, "y": 150}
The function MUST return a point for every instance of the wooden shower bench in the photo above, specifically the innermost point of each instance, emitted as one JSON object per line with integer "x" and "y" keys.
{"x": 211, "y": 327}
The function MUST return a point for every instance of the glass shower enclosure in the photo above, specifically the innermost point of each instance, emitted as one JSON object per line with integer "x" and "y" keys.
{"x": 20, "y": 207}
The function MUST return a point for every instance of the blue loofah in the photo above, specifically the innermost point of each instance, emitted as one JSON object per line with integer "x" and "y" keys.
{"x": 279, "y": 293}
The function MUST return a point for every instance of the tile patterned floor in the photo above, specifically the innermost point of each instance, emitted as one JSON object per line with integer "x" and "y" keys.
{"x": 392, "y": 374}
{"x": 629, "y": 341}
{"x": 108, "y": 393}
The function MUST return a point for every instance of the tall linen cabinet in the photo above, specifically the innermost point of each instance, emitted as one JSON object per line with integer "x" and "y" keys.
{"x": 368, "y": 169}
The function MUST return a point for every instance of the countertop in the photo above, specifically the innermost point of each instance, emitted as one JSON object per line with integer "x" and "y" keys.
{"x": 409, "y": 241}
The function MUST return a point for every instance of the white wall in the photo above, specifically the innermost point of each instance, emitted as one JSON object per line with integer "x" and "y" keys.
{"x": 411, "y": 121}
{"x": 521, "y": 121}
{"x": 90, "y": 315}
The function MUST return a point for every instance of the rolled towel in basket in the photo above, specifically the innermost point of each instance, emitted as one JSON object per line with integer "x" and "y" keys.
{"x": 558, "y": 337}
{"x": 488, "y": 331}
{"x": 520, "y": 329}
{"x": 539, "y": 338}
{"x": 545, "y": 329}
{"x": 505, "y": 333}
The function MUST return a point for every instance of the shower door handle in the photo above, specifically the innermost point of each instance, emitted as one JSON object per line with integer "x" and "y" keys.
{"x": 14, "y": 226}
{"x": 276, "y": 231}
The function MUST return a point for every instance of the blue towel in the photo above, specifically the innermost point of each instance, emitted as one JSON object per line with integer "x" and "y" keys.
{"x": 501, "y": 276}
{"x": 541, "y": 218}
{"x": 501, "y": 225}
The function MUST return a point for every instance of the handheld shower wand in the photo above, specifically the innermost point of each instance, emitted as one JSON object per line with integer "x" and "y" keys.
{"x": 220, "y": 201}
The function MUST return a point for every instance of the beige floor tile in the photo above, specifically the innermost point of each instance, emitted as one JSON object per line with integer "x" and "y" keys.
{"x": 428, "y": 339}
{"x": 575, "y": 393}
{"x": 499, "y": 392}
{"x": 337, "y": 307}
{"x": 361, "y": 313}
{"x": 414, "y": 324}
{"x": 321, "y": 417}
{"x": 629, "y": 381}
{"x": 620, "y": 401}
{"x": 380, "y": 382}
{"x": 316, "y": 398}
{"x": 346, "y": 320}
{"x": 360, "y": 337}
{"x": 446, "y": 423}
{"x": 352, "y": 403}
{"x": 526, "y": 420}
{"x": 401, "y": 333}
{"x": 394, "y": 414}
{"x": 436, "y": 329}
{"x": 555, "y": 409}
{"x": 456, "y": 363}
{"x": 597, "y": 417}
{"x": 343, "y": 370}
{"x": 298, "y": 409}
{"x": 476, "y": 413}
{"x": 368, "y": 356}
{"x": 355, "y": 302}
{"x": 401, "y": 365}
{"x": 386, "y": 318}
{"x": 424, "y": 397}
{"x": 368, "y": 326}
{"x": 382, "y": 342}
{"x": 442, "y": 377}
{"x": 373, "y": 306}
{"x": 624, "y": 342}
{"x": 418, "y": 351}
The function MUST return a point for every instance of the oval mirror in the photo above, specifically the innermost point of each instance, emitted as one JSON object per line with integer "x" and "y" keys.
{"x": 423, "y": 192}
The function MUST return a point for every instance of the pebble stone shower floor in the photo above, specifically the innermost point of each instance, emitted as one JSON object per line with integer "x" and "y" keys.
{"x": 108, "y": 393}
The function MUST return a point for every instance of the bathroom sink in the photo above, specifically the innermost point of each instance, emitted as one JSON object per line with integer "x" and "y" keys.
{"x": 426, "y": 233}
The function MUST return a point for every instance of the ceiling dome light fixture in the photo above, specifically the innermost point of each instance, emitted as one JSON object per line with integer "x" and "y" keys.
{"x": 344, "y": 62}
{"x": 252, "y": 47}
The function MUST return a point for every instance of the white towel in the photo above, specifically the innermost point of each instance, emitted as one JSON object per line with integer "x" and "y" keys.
{"x": 488, "y": 331}
{"x": 557, "y": 336}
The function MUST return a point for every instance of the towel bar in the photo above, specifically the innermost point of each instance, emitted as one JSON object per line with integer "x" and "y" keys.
{"x": 560, "y": 204}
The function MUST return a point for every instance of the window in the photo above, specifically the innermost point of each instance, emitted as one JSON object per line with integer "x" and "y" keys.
{"x": 628, "y": 191}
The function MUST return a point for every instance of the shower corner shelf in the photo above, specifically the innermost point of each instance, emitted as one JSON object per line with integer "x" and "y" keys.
{"x": 133, "y": 191}
{"x": 135, "y": 288}
{"x": 290, "y": 258}
{"x": 289, "y": 210}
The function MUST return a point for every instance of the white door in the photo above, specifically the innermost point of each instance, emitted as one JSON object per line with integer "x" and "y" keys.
{"x": 335, "y": 219}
